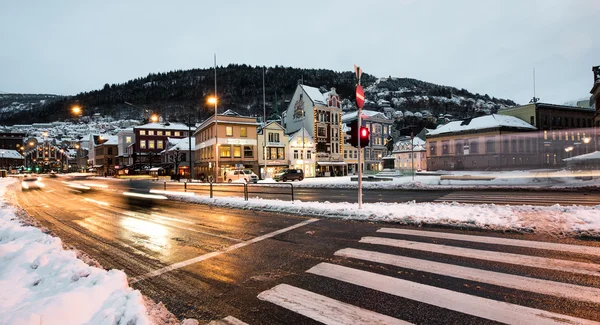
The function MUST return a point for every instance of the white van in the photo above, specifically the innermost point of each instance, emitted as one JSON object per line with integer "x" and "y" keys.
{"x": 241, "y": 175}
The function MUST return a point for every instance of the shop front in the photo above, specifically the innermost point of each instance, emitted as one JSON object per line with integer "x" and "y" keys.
{"x": 331, "y": 168}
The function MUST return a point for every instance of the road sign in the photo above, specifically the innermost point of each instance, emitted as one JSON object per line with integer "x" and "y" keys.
{"x": 360, "y": 96}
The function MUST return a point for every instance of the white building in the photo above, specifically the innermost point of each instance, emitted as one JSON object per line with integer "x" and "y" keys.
{"x": 272, "y": 140}
{"x": 125, "y": 138}
{"x": 301, "y": 150}
{"x": 321, "y": 116}
{"x": 410, "y": 153}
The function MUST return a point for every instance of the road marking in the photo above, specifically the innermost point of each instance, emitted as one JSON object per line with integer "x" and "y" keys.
{"x": 97, "y": 202}
{"x": 481, "y": 307}
{"x": 559, "y": 289}
{"x": 533, "y": 261}
{"x": 323, "y": 309}
{"x": 498, "y": 241}
{"x": 50, "y": 191}
{"x": 217, "y": 253}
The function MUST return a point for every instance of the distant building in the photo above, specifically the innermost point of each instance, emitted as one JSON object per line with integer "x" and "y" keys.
{"x": 410, "y": 154}
{"x": 483, "y": 143}
{"x": 12, "y": 141}
{"x": 564, "y": 131}
{"x": 273, "y": 142}
{"x": 105, "y": 153}
{"x": 237, "y": 145}
{"x": 380, "y": 128}
{"x": 177, "y": 157}
{"x": 321, "y": 115}
{"x": 350, "y": 153}
{"x": 596, "y": 96}
{"x": 125, "y": 138}
{"x": 301, "y": 152}
{"x": 10, "y": 159}
{"x": 151, "y": 139}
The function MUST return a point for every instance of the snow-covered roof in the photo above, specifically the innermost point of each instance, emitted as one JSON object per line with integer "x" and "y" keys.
{"x": 110, "y": 140}
{"x": 181, "y": 144}
{"x": 314, "y": 94}
{"x": 483, "y": 122}
{"x": 588, "y": 156}
{"x": 163, "y": 126}
{"x": 10, "y": 154}
{"x": 365, "y": 113}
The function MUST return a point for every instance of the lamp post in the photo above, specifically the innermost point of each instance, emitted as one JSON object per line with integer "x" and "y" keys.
{"x": 213, "y": 100}
{"x": 2, "y": 157}
{"x": 586, "y": 140}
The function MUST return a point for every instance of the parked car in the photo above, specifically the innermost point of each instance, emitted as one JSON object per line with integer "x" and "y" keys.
{"x": 241, "y": 174}
{"x": 289, "y": 174}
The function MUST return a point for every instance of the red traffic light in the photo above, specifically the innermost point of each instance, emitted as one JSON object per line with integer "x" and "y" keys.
{"x": 364, "y": 137}
{"x": 364, "y": 132}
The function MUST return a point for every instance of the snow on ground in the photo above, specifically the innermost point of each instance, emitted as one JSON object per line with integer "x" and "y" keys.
{"x": 555, "y": 220}
{"x": 44, "y": 284}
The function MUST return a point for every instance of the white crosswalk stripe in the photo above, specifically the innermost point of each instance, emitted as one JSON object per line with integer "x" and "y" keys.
{"x": 330, "y": 311}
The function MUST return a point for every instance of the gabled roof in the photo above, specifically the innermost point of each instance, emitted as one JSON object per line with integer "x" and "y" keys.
{"x": 588, "y": 156}
{"x": 299, "y": 133}
{"x": 230, "y": 113}
{"x": 182, "y": 144}
{"x": 163, "y": 126}
{"x": 365, "y": 113}
{"x": 314, "y": 94}
{"x": 10, "y": 154}
{"x": 483, "y": 122}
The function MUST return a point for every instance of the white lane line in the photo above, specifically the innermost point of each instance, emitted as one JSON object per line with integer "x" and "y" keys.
{"x": 323, "y": 309}
{"x": 559, "y": 289}
{"x": 217, "y": 253}
{"x": 481, "y": 307}
{"x": 498, "y": 241}
{"x": 526, "y": 260}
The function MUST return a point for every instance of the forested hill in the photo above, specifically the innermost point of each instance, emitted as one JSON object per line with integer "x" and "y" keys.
{"x": 178, "y": 94}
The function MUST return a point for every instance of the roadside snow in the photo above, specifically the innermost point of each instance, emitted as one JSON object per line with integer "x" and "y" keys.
{"x": 44, "y": 284}
{"x": 556, "y": 220}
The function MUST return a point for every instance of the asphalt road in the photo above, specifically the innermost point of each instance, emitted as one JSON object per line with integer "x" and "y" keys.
{"x": 265, "y": 268}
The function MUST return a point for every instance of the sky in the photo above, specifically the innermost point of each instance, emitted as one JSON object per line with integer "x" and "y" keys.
{"x": 486, "y": 46}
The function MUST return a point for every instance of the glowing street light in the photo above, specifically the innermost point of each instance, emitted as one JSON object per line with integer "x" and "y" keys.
{"x": 154, "y": 118}
{"x": 76, "y": 110}
{"x": 212, "y": 100}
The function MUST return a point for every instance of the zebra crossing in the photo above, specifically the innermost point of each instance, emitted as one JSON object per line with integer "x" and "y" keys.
{"x": 567, "y": 273}
{"x": 527, "y": 198}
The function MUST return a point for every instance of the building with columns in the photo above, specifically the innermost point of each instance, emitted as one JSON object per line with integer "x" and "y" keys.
{"x": 320, "y": 114}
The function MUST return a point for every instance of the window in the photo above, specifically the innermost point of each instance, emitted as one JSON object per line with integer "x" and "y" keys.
{"x": 272, "y": 153}
{"x": 225, "y": 151}
{"x": 159, "y": 144}
{"x": 248, "y": 152}
{"x": 142, "y": 132}
{"x": 355, "y": 153}
{"x": 490, "y": 146}
{"x": 168, "y": 133}
{"x": 151, "y": 144}
{"x": 229, "y": 131}
{"x": 445, "y": 147}
{"x": 546, "y": 119}
{"x": 345, "y": 154}
{"x": 280, "y": 153}
{"x": 273, "y": 137}
{"x": 127, "y": 139}
{"x": 474, "y": 146}
{"x": 459, "y": 147}
{"x": 143, "y": 144}
{"x": 159, "y": 132}
{"x": 309, "y": 154}
{"x": 513, "y": 145}
{"x": 295, "y": 154}
{"x": 432, "y": 149}
{"x": 545, "y": 135}
{"x": 531, "y": 120}
{"x": 243, "y": 131}
{"x": 110, "y": 150}
{"x": 321, "y": 131}
{"x": 151, "y": 132}
{"x": 522, "y": 144}
{"x": 237, "y": 151}
{"x": 177, "y": 133}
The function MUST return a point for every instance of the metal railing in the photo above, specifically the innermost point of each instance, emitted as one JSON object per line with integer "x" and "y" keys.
{"x": 263, "y": 189}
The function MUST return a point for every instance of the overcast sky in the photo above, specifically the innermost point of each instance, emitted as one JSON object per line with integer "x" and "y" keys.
{"x": 486, "y": 46}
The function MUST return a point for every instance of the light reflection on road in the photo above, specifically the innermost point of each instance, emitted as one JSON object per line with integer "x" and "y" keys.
{"x": 153, "y": 236}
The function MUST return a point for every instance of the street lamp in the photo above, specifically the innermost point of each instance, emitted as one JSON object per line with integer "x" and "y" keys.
{"x": 213, "y": 100}
{"x": 154, "y": 118}
{"x": 2, "y": 160}
{"x": 77, "y": 110}
{"x": 586, "y": 140}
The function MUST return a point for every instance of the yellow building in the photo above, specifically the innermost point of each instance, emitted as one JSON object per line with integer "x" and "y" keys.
{"x": 236, "y": 139}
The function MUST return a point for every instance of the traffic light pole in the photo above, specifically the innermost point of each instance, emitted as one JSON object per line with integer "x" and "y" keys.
{"x": 359, "y": 158}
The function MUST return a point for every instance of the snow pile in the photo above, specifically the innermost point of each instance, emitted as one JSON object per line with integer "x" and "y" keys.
{"x": 555, "y": 220}
{"x": 44, "y": 284}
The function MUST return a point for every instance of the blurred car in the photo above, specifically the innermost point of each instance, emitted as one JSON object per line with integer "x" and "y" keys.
{"x": 31, "y": 182}
{"x": 241, "y": 174}
{"x": 289, "y": 174}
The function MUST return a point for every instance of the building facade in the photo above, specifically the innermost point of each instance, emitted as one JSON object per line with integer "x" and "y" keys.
{"x": 491, "y": 142}
{"x": 301, "y": 152}
{"x": 563, "y": 131}
{"x": 105, "y": 155}
{"x": 12, "y": 141}
{"x": 125, "y": 139}
{"x": 596, "y": 96}
{"x": 320, "y": 114}
{"x": 410, "y": 155}
{"x": 350, "y": 153}
{"x": 380, "y": 128}
{"x": 237, "y": 145}
{"x": 151, "y": 139}
{"x": 274, "y": 155}
{"x": 177, "y": 157}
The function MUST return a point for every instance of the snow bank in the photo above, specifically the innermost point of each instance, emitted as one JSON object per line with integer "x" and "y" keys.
{"x": 44, "y": 284}
{"x": 554, "y": 220}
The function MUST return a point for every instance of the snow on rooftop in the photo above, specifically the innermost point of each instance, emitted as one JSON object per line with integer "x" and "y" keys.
{"x": 163, "y": 126}
{"x": 483, "y": 122}
{"x": 589, "y": 156}
{"x": 314, "y": 94}
{"x": 10, "y": 154}
{"x": 181, "y": 144}
{"x": 365, "y": 112}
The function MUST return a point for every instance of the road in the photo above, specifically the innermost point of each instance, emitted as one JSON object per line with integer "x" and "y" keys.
{"x": 266, "y": 268}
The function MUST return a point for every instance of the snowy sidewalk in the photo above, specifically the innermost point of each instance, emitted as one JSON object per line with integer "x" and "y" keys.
{"x": 555, "y": 220}
{"x": 44, "y": 284}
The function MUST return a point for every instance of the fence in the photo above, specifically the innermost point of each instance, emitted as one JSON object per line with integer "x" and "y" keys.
{"x": 262, "y": 190}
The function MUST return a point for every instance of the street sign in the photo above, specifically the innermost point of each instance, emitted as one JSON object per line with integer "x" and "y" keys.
{"x": 360, "y": 96}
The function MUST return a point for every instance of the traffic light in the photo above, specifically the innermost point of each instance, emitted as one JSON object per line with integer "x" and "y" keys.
{"x": 353, "y": 133}
{"x": 364, "y": 137}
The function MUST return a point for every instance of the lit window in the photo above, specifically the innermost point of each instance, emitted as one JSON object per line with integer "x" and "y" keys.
{"x": 237, "y": 151}
{"x": 167, "y": 133}
{"x": 243, "y": 131}
{"x": 225, "y": 151}
{"x": 127, "y": 139}
{"x": 159, "y": 144}
{"x": 143, "y": 144}
{"x": 229, "y": 131}
{"x": 142, "y": 132}
{"x": 151, "y": 132}
{"x": 159, "y": 132}
{"x": 177, "y": 133}
{"x": 150, "y": 144}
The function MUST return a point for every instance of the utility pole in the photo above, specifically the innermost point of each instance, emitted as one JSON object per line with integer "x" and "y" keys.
{"x": 412, "y": 155}
{"x": 216, "y": 127}
{"x": 359, "y": 103}
{"x": 264, "y": 124}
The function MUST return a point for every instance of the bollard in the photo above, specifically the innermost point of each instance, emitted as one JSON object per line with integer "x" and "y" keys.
{"x": 292, "y": 185}
{"x": 185, "y": 186}
{"x": 211, "y": 191}
{"x": 165, "y": 186}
